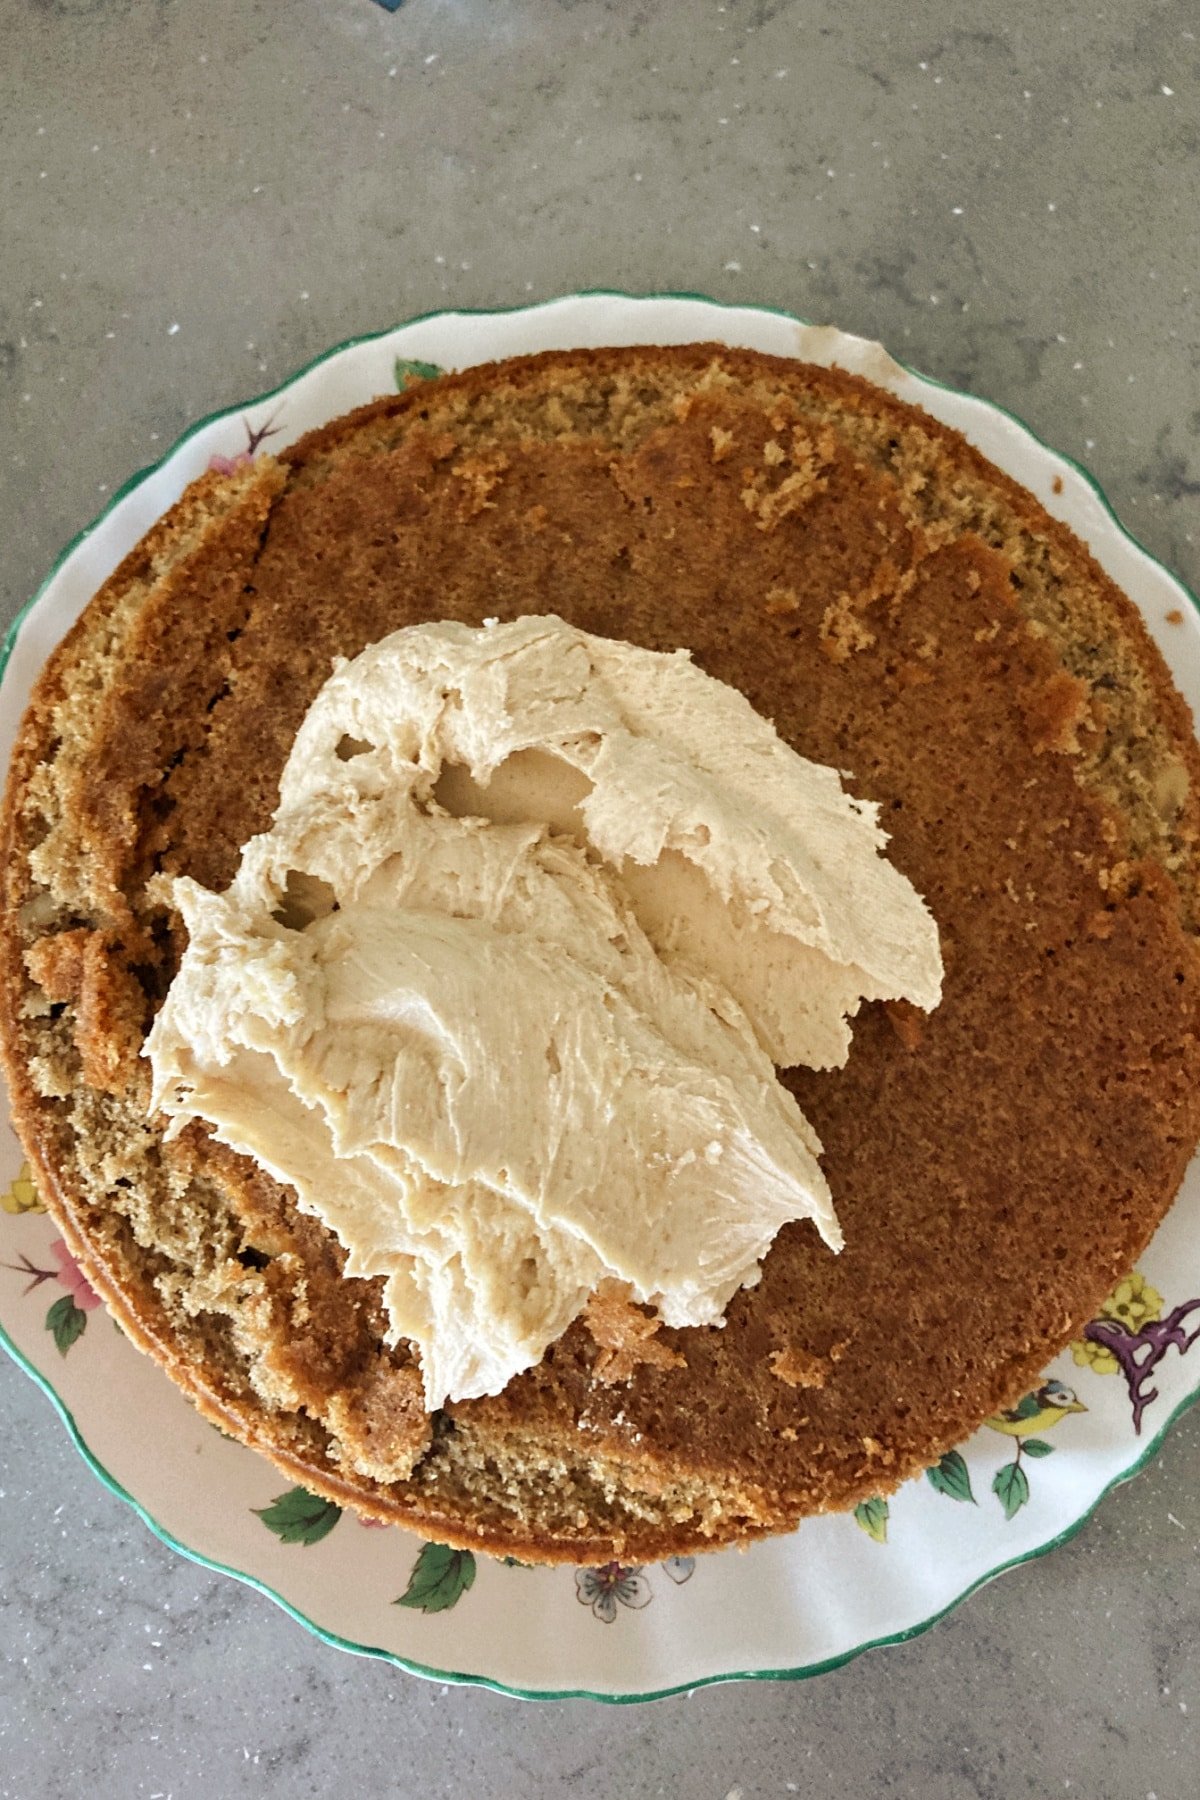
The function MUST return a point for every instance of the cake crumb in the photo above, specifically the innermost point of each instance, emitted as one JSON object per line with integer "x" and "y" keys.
{"x": 771, "y": 505}
{"x": 480, "y": 475}
{"x": 781, "y": 600}
{"x": 624, "y": 1335}
{"x": 56, "y": 963}
{"x": 1116, "y": 881}
{"x": 1174, "y": 617}
{"x": 798, "y": 1368}
{"x": 907, "y": 1021}
{"x": 776, "y": 504}
{"x": 722, "y": 443}
{"x": 1055, "y": 713}
{"x": 842, "y": 632}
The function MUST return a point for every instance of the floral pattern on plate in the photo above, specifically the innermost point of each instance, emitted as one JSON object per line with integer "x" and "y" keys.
{"x": 792, "y": 1605}
{"x": 67, "y": 1317}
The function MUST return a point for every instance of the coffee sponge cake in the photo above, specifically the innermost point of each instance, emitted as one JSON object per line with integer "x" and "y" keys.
{"x": 901, "y": 611}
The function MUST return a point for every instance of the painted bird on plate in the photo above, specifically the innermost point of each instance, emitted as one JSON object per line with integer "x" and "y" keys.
{"x": 1039, "y": 1411}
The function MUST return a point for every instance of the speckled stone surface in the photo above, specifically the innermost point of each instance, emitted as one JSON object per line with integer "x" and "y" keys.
{"x": 198, "y": 198}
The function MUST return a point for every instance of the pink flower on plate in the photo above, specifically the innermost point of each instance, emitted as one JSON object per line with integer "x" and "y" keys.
{"x": 602, "y": 1588}
{"x": 229, "y": 465}
{"x": 73, "y": 1277}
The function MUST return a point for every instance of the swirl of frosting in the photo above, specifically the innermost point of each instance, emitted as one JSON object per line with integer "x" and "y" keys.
{"x": 501, "y": 992}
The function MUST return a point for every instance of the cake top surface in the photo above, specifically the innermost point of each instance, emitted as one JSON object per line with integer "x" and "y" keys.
{"x": 510, "y": 1045}
{"x": 901, "y": 612}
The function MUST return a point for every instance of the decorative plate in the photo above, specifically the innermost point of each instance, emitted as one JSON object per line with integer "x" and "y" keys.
{"x": 790, "y": 1607}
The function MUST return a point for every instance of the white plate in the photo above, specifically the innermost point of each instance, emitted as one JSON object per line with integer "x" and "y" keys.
{"x": 790, "y": 1607}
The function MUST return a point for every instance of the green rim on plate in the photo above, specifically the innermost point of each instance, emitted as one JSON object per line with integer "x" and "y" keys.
{"x": 457, "y": 1679}
{"x": 115, "y": 1486}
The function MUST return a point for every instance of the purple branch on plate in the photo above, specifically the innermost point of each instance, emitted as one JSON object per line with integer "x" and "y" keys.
{"x": 1139, "y": 1353}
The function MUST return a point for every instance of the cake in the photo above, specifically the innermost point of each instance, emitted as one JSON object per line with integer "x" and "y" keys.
{"x": 901, "y": 611}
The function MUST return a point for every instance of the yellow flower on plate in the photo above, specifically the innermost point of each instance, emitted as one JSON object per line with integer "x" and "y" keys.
{"x": 1132, "y": 1304}
{"x": 22, "y": 1196}
{"x": 1094, "y": 1357}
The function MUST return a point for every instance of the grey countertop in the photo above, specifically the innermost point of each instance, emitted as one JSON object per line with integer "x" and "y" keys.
{"x": 196, "y": 199}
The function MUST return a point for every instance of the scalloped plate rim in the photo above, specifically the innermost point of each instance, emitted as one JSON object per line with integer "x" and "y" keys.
{"x": 456, "y": 1678}
{"x": 42, "y": 1380}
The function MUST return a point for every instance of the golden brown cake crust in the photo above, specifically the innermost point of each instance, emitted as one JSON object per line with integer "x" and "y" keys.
{"x": 901, "y": 610}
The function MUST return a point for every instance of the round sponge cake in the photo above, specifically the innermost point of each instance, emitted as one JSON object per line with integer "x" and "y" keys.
{"x": 900, "y": 610}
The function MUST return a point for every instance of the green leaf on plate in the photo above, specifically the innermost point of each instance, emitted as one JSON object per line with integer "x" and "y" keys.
{"x": 1011, "y": 1488}
{"x": 299, "y": 1517}
{"x": 1035, "y": 1447}
{"x": 951, "y": 1477}
{"x": 439, "y": 1579}
{"x": 407, "y": 370}
{"x": 872, "y": 1516}
{"x": 67, "y": 1321}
